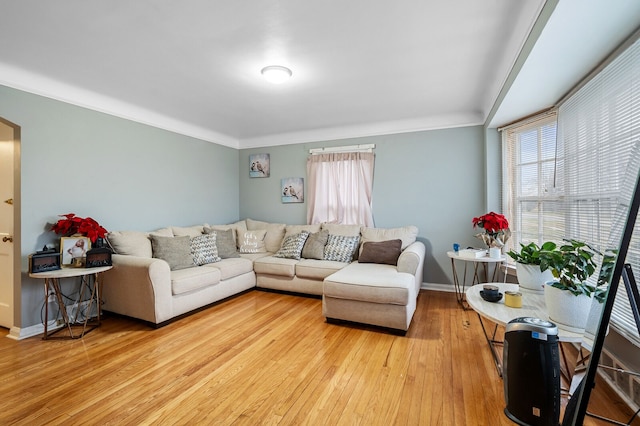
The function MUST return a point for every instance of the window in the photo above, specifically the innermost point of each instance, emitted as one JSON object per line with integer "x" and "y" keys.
{"x": 340, "y": 187}
{"x": 572, "y": 175}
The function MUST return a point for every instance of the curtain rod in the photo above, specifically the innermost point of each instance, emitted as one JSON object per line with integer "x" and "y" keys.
{"x": 350, "y": 148}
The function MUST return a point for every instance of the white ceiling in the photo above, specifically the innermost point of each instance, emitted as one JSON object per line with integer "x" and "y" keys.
{"x": 360, "y": 67}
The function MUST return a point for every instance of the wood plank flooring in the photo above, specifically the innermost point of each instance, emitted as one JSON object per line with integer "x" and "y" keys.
{"x": 262, "y": 358}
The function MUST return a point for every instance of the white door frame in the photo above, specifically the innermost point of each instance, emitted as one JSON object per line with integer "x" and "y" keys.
{"x": 17, "y": 256}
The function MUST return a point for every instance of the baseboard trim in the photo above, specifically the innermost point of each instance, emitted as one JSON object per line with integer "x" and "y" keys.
{"x": 447, "y": 288}
{"x": 17, "y": 333}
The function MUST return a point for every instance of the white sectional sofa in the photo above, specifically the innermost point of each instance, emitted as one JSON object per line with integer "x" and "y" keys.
{"x": 152, "y": 278}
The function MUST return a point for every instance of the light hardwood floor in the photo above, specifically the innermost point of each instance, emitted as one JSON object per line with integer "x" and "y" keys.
{"x": 262, "y": 358}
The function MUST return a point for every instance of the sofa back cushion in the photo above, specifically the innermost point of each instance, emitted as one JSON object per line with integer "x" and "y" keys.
{"x": 274, "y": 233}
{"x": 191, "y": 231}
{"x": 407, "y": 234}
{"x": 132, "y": 243}
{"x": 296, "y": 229}
{"x": 340, "y": 229}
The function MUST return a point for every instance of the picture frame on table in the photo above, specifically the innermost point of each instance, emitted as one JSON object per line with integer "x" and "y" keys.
{"x": 73, "y": 247}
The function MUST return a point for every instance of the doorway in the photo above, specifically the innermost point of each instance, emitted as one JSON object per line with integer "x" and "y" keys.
{"x": 9, "y": 223}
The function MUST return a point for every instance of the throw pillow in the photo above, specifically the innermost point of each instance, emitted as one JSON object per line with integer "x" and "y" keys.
{"x": 314, "y": 246}
{"x": 341, "y": 248}
{"x": 225, "y": 242}
{"x": 176, "y": 251}
{"x": 204, "y": 250}
{"x": 384, "y": 252}
{"x": 292, "y": 246}
{"x": 253, "y": 242}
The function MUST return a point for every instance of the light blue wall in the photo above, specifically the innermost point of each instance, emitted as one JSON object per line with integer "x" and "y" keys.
{"x": 431, "y": 179}
{"x": 123, "y": 174}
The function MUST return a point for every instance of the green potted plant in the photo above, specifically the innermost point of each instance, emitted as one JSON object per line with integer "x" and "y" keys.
{"x": 528, "y": 259}
{"x": 569, "y": 295}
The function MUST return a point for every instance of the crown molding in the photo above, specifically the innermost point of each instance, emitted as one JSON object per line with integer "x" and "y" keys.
{"x": 38, "y": 84}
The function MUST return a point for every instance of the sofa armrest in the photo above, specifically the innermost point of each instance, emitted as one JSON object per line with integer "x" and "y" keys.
{"x": 411, "y": 260}
{"x": 138, "y": 287}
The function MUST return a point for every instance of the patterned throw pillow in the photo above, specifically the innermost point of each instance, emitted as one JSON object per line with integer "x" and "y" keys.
{"x": 204, "y": 249}
{"x": 292, "y": 246}
{"x": 341, "y": 248}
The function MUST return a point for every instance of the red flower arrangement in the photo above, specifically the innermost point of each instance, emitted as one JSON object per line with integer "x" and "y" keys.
{"x": 496, "y": 229}
{"x": 72, "y": 224}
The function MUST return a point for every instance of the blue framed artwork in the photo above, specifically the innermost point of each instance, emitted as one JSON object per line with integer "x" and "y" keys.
{"x": 259, "y": 166}
{"x": 292, "y": 190}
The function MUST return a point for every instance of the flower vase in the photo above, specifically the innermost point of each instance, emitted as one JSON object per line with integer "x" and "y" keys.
{"x": 495, "y": 252}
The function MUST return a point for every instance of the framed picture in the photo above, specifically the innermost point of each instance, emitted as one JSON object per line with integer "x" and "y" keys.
{"x": 292, "y": 190}
{"x": 72, "y": 247}
{"x": 259, "y": 166}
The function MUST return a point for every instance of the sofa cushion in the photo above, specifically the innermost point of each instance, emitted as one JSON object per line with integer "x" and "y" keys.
{"x": 163, "y": 232}
{"x": 253, "y": 242}
{"x": 132, "y": 243}
{"x": 296, "y": 229}
{"x": 407, "y": 234}
{"x": 314, "y": 246}
{"x": 275, "y": 266}
{"x": 232, "y": 267}
{"x": 385, "y": 252}
{"x": 189, "y": 279}
{"x": 370, "y": 283}
{"x": 317, "y": 269}
{"x": 341, "y": 248}
{"x": 339, "y": 229}
{"x": 176, "y": 251}
{"x": 274, "y": 236}
{"x": 292, "y": 246}
{"x": 191, "y": 231}
{"x": 225, "y": 242}
{"x": 204, "y": 250}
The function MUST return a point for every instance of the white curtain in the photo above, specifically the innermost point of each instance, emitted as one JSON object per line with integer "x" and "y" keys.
{"x": 340, "y": 187}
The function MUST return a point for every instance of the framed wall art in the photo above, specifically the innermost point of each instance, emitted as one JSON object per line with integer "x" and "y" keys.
{"x": 259, "y": 165}
{"x": 292, "y": 190}
{"x": 73, "y": 247}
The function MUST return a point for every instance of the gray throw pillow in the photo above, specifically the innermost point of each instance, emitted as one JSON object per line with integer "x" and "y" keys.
{"x": 314, "y": 246}
{"x": 384, "y": 252}
{"x": 176, "y": 251}
{"x": 225, "y": 242}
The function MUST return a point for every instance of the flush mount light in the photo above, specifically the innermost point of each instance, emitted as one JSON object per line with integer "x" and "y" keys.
{"x": 276, "y": 74}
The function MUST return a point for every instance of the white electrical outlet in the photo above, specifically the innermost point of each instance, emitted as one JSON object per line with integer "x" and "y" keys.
{"x": 51, "y": 298}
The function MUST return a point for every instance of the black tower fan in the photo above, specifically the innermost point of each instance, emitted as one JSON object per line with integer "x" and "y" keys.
{"x": 531, "y": 372}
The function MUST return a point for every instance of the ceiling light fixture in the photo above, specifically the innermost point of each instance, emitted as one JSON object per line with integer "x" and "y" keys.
{"x": 276, "y": 74}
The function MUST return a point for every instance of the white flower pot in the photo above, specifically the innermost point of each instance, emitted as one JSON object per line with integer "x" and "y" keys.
{"x": 531, "y": 278}
{"x": 567, "y": 310}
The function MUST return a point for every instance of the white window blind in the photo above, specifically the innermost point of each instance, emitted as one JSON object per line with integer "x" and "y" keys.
{"x": 577, "y": 183}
